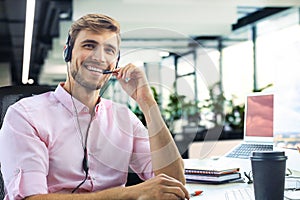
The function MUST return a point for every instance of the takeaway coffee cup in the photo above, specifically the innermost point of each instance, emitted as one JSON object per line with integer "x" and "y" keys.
{"x": 268, "y": 168}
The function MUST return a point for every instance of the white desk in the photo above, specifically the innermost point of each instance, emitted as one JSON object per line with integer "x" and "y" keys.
{"x": 213, "y": 149}
{"x": 213, "y": 191}
{"x": 208, "y": 149}
{"x": 201, "y": 153}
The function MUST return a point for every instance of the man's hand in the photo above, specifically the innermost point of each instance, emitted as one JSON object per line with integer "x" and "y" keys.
{"x": 160, "y": 187}
{"x": 134, "y": 82}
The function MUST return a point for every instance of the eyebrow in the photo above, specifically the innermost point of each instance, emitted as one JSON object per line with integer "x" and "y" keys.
{"x": 89, "y": 41}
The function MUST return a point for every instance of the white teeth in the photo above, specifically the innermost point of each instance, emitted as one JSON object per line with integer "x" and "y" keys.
{"x": 93, "y": 69}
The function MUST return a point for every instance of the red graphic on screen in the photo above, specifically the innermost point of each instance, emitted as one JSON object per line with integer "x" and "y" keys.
{"x": 259, "y": 120}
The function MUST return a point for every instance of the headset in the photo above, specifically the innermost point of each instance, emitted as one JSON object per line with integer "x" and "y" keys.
{"x": 68, "y": 50}
{"x": 67, "y": 54}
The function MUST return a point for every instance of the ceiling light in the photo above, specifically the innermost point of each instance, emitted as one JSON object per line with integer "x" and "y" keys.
{"x": 30, "y": 81}
{"x": 30, "y": 8}
{"x": 64, "y": 15}
{"x": 164, "y": 54}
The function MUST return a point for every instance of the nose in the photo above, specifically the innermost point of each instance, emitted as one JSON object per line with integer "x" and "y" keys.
{"x": 98, "y": 54}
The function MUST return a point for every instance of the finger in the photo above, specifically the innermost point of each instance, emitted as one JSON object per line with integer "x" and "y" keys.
{"x": 128, "y": 71}
{"x": 123, "y": 72}
{"x": 170, "y": 181}
{"x": 179, "y": 190}
{"x": 176, "y": 191}
{"x": 169, "y": 178}
{"x": 170, "y": 196}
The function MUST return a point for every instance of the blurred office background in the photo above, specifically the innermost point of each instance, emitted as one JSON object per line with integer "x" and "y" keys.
{"x": 201, "y": 57}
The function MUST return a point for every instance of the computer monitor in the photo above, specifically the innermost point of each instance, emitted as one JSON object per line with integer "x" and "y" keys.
{"x": 259, "y": 117}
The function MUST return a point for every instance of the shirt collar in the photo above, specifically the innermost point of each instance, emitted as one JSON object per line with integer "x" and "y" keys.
{"x": 66, "y": 100}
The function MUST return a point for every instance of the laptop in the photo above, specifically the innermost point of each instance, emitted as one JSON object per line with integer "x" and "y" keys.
{"x": 258, "y": 126}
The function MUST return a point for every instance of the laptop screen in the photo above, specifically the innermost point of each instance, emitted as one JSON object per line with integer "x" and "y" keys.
{"x": 259, "y": 115}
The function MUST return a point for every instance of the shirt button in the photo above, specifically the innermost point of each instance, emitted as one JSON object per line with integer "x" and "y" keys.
{"x": 86, "y": 110}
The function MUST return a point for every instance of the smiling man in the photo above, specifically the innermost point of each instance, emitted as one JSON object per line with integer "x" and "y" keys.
{"x": 73, "y": 144}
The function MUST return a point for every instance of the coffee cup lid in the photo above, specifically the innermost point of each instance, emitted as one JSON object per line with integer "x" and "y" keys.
{"x": 272, "y": 155}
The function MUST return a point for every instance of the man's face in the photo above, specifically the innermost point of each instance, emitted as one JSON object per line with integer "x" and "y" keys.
{"x": 92, "y": 53}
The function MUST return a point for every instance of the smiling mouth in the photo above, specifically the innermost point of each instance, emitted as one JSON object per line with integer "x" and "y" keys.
{"x": 94, "y": 69}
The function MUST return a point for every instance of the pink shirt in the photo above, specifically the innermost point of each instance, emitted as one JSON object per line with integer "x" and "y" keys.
{"x": 41, "y": 147}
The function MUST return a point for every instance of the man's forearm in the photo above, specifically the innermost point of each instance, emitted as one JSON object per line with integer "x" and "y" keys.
{"x": 165, "y": 156}
{"x": 113, "y": 193}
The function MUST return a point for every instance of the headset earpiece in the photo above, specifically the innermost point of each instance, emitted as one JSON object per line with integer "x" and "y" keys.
{"x": 68, "y": 50}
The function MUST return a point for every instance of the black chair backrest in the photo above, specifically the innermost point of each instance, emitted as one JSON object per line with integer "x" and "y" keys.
{"x": 2, "y": 194}
{"x": 8, "y": 96}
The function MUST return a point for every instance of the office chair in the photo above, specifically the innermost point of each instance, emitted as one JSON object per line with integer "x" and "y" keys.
{"x": 1, "y": 185}
{"x": 8, "y": 96}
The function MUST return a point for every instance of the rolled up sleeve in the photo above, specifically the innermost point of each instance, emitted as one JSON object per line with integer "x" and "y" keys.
{"x": 23, "y": 184}
{"x": 23, "y": 155}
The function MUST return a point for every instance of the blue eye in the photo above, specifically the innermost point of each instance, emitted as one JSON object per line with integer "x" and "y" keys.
{"x": 110, "y": 51}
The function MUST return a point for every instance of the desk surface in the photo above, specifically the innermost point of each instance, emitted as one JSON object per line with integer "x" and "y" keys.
{"x": 208, "y": 149}
{"x": 213, "y": 191}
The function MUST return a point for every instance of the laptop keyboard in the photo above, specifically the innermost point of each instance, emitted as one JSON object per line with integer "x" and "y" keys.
{"x": 240, "y": 194}
{"x": 244, "y": 150}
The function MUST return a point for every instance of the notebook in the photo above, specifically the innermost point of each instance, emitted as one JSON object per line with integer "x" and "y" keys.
{"x": 258, "y": 126}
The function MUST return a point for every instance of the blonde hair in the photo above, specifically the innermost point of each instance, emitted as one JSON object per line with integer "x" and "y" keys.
{"x": 94, "y": 22}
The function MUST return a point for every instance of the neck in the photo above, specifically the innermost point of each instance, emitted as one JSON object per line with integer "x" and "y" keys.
{"x": 85, "y": 96}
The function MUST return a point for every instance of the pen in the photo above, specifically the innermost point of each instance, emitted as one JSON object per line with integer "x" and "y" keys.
{"x": 196, "y": 193}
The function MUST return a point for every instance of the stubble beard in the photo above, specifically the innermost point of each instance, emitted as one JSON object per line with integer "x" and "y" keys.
{"x": 79, "y": 78}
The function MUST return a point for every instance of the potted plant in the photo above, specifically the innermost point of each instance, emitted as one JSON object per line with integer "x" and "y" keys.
{"x": 215, "y": 104}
